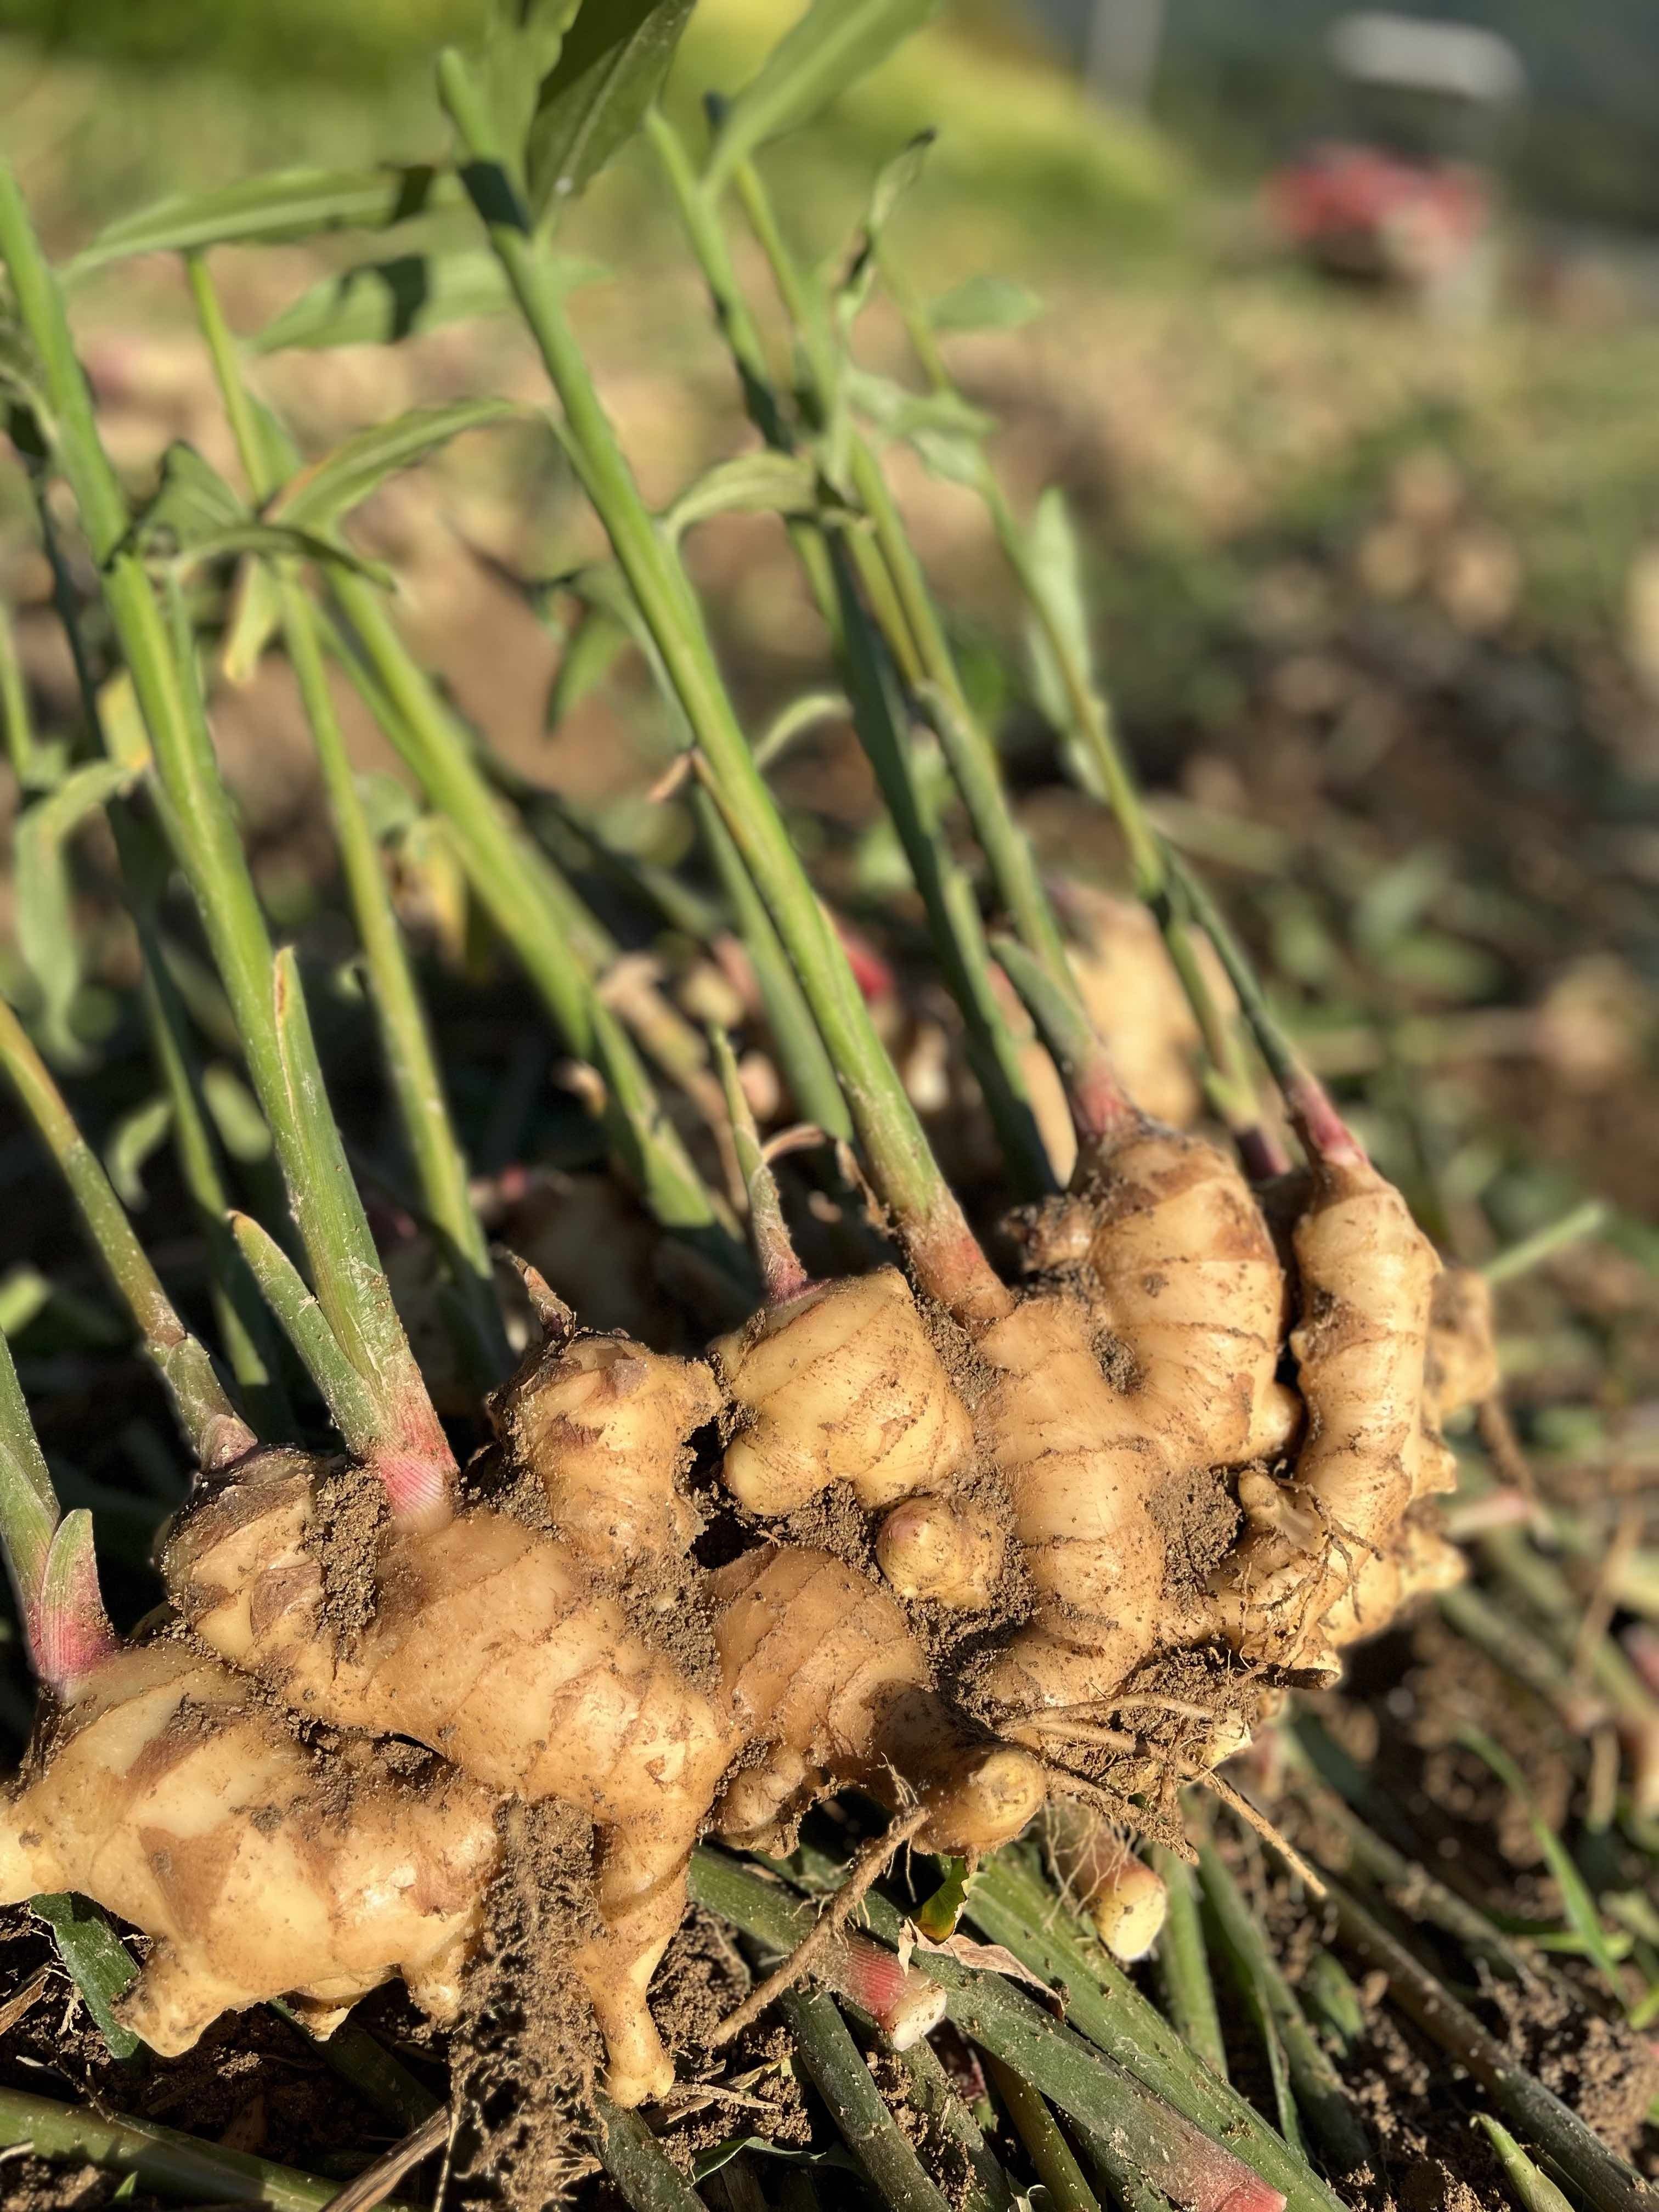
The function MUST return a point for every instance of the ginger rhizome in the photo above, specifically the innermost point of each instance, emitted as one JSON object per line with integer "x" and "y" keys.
{"x": 545, "y": 1629}
{"x": 161, "y": 1785}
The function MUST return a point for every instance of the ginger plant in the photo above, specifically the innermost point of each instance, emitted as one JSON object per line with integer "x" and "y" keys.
{"x": 1017, "y": 1454}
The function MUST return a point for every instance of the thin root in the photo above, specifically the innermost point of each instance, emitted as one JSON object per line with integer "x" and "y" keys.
{"x": 872, "y": 1862}
{"x": 1264, "y": 1828}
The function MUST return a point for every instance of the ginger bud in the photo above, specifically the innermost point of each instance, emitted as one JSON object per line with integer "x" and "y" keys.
{"x": 949, "y": 1550}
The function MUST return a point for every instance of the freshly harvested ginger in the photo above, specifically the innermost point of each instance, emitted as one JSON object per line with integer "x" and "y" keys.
{"x": 547, "y": 1632}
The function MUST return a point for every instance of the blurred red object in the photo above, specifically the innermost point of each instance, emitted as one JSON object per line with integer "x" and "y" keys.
{"x": 1366, "y": 212}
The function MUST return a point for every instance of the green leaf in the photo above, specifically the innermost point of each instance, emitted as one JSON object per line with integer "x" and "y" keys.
{"x": 242, "y": 1128}
{"x": 763, "y": 482}
{"x": 330, "y": 487}
{"x": 938, "y": 1916}
{"x": 611, "y": 68}
{"x": 130, "y": 1144}
{"x": 99, "y": 1963}
{"x": 833, "y": 44}
{"x": 46, "y": 933}
{"x": 380, "y": 302}
{"x": 1577, "y": 1901}
{"x": 893, "y": 180}
{"x": 192, "y": 503}
{"x": 287, "y": 203}
{"x": 984, "y": 303}
{"x": 521, "y": 47}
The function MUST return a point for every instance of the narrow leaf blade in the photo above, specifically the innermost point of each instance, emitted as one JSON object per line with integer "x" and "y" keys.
{"x": 330, "y": 487}
{"x": 611, "y": 68}
{"x": 764, "y": 483}
{"x": 287, "y": 203}
{"x": 99, "y": 1963}
{"x": 833, "y": 44}
{"x": 382, "y": 302}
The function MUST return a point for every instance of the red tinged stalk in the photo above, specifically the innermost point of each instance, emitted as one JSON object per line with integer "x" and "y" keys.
{"x": 1202, "y": 2176}
{"x": 70, "y": 1634}
{"x": 905, "y": 2006}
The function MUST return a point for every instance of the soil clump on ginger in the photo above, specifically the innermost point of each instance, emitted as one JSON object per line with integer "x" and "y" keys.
{"x": 527, "y": 2050}
{"x": 350, "y": 1520}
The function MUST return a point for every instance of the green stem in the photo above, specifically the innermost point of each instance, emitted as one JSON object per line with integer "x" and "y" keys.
{"x": 245, "y": 1335}
{"x": 637, "y": 2163}
{"x": 27, "y": 757}
{"x": 406, "y": 1043}
{"x": 1317, "y": 2085}
{"x": 1108, "y": 2095}
{"x": 29, "y": 1502}
{"x": 529, "y": 905}
{"x": 1317, "y": 1123}
{"x": 942, "y": 1246}
{"x": 878, "y": 715}
{"x": 1056, "y": 2164}
{"x": 933, "y": 2094}
{"x": 1013, "y": 1908}
{"x": 215, "y": 1430}
{"x": 171, "y": 2164}
{"x": 1182, "y": 1964}
{"x": 1232, "y": 1090}
{"x": 1586, "y": 1220}
{"x": 306, "y": 1326}
{"x": 1102, "y": 1111}
{"x": 837, "y": 2069}
{"x": 946, "y": 896}
{"x": 967, "y": 744}
{"x": 342, "y": 1250}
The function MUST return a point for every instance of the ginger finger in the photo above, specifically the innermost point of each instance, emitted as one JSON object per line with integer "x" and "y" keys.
{"x": 603, "y": 1424}
{"x": 841, "y": 1381}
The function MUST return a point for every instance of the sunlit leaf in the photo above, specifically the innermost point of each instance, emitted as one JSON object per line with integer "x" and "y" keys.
{"x": 379, "y": 302}
{"x": 833, "y": 44}
{"x": 287, "y": 203}
{"x": 192, "y": 503}
{"x": 521, "y": 47}
{"x": 256, "y": 614}
{"x": 1056, "y": 567}
{"x": 590, "y": 650}
{"x": 319, "y": 496}
{"x": 763, "y": 482}
{"x": 944, "y": 429}
{"x": 611, "y": 68}
{"x": 99, "y": 1963}
{"x": 893, "y": 180}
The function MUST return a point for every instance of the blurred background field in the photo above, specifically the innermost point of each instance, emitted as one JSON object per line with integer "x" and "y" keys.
{"x": 1375, "y": 589}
